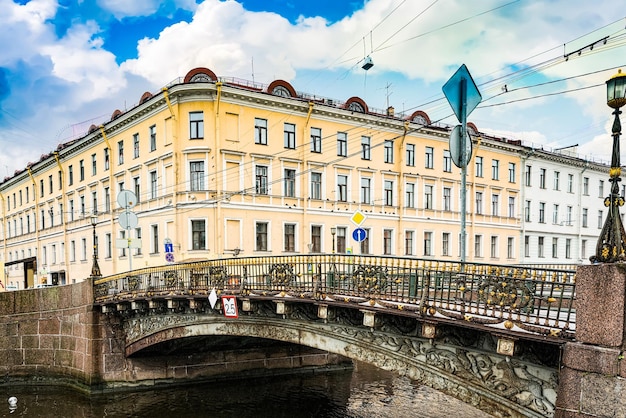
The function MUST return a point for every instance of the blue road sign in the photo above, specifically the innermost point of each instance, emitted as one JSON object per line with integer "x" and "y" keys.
{"x": 169, "y": 248}
{"x": 359, "y": 234}
{"x": 459, "y": 85}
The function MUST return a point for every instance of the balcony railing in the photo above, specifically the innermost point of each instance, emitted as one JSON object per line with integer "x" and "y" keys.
{"x": 525, "y": 299}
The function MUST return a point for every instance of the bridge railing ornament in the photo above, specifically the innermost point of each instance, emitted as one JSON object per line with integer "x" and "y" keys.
{"x": 530, "y": 299}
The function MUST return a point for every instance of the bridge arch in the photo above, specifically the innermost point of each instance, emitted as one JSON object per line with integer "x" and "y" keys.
{"x": 455, "y": 363}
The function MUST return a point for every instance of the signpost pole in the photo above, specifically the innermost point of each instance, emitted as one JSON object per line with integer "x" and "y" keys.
{"x": 463, "y": 96}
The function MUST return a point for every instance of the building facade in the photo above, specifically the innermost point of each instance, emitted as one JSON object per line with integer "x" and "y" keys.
{"x": 224, "y": 167}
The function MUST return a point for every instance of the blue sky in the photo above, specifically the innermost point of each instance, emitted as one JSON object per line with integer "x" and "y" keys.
{"x": 67, "y": 64}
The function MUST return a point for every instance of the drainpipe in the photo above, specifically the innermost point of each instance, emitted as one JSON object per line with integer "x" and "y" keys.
{"x": 63, "y": 201}
{"x": 218, "y": 242}
{"x": 111, "y": 198}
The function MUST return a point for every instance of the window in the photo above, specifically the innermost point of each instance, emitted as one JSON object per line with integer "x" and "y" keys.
{"x": 557, "y": 180}
{"x": 107, "y": 159}
{"x": 429, "y": 157}
{"x": 316, "y": 186}
{"x": 388, "y": 192}
{"x": 511, "y": 207}
{"x": 584, "y": 217}
{"x": 342, "y": 144}
{"x": 495, "y": 170}
{"x": 260, "y": 131}
{"x": 527, "y": 175}
{"x": 153, "y": 184}
{"x": 526, "y": 246}
{"x": 388, "y": 149}
{"x": 495, "y": 205}
{"x": 410, "y": 195}
{"x": 290, "y": 237}
{"x": 341, "y": 240}
{"x": 138, "y": 236}
{"x": 601, "y": 188}
{"x": 70, "y": 173}
{"x": 152, "y": 131}
{"x": 49, "y": 184}
{"x": 108, "y": 245}
{"x": 72, "y": 251}
{"x": 555, "y": 247}
{"x": 447, "y": 161}
{"x": 290, "y": 182}
{"x": 290, "y": 135}
{"x": 478, "y": 245}
{"x": 122, "y": 236}
{"x": 198, "y": 235}
{"x": 583, "y": 249}
{"x": 511, "y": 172}
{"x": 82, "y": 206}
{"x": 569, "y": 215}
{"x": 510, "y": 247}
{"x": 316, "y": 238}
{"x": 410, "y": 155}
{"x": 365, "y": 244}
{"x": 428, "y": 196}
{"x": 93, "y": 164}
{"x": 428, "y": 242}
{"x": 136, "y": 145}
{"x": 555, "y": 214}
{"x": 154, "y": 233}
{"x": 81, "y": 165}
{"x": 94, "y": 201}
{"x": 447, "y": 198}
{"x": 586, "y": 186}
{"x": 408, "y": 242}
{"x": 196, "y": 174}
{"x": 479, "y": 166}
{"x": 196, "y": 125}
{"x": 342, "y": 188}
{"x": 542, "y": 178}
{"x": 570, "y": 183}
{"x": 316, "y": 140}
{"x": 83, "y": 249}
{"x": 568, "y": 248}
{"x": 120, "y": 152}
{"x": 445, "y": 243}
{"x": 260, "y": 185}
{"x": 540, "y": 247}
{"x": 542, "y": 213}
{"x": 600, "y": 214}
{"x": 137, "y": 187}
{"x": 107, "y": 200}
{"x": 479, "y": 203}
{"x": 494, "y": 247}
{"x": 365, "y": 190}
{"x": 387, "y": 233}
{"x": 365, "y": 148}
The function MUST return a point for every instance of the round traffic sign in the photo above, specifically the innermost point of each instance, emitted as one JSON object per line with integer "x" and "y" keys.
{"x": 128, "y": 220}
{"x": 359, "y": 234}
{"x": 460, "y": 149}
{"x": 126, "y": 199}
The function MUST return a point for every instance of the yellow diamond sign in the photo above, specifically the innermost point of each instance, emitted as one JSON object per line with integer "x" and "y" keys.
{"x": 358, "y": 218}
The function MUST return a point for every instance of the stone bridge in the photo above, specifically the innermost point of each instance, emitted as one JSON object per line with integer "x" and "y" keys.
{"x": 505, "y": 339}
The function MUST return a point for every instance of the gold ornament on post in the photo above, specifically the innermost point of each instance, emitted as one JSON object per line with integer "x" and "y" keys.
{"x": 611, "y": 247}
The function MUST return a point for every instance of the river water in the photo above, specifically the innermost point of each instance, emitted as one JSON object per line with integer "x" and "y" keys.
{"x": 364, "y": 391}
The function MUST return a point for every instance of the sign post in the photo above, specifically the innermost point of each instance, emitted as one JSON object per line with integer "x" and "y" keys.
{"x": 463, "y": 96}
{"x": 128, "y": 220}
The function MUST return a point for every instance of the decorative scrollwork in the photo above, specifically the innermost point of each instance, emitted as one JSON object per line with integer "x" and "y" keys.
{"x": 171, "y": 278}
{"x": 281, "y": 274}
{"x": 370, "y": 279}
{"x": 499, "y": 291}
{"x": 101, "y": 290}
{"x": 133, "y": 282}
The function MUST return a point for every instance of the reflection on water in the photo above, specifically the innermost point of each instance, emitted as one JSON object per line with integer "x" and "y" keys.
{"x": 363, "y": 392}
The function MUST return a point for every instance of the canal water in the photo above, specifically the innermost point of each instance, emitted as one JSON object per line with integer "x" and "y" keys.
{"x": 364, "y": 391}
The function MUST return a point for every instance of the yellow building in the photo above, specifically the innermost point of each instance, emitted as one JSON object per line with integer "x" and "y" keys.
{"x": 223, "y": 168}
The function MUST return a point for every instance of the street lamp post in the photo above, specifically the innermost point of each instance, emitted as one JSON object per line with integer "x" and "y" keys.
{"x": 333, "y": 231}
{"x": 95, "y": 268}
{"x": 611, "y": 246}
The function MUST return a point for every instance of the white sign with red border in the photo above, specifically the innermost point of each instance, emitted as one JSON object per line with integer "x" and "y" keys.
{"x": 229, "y": 304}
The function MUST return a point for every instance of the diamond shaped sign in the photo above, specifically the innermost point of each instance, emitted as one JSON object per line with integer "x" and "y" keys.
{"x": 459, "y": 86}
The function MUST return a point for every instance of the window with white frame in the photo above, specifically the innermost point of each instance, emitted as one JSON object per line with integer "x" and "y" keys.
{"x": 260, "y": 131}
{"x": 342, "y": 188}
{"x": 316, "y": 186}
{"x": 366, "y": 186}
{"x": 260, "y": 185}
{"x": 198, "y": 234}
{"x": 365, "y": 148}
{"x": 196, "y": 125}
{"x": 316, "y": 140}
{"x": 290, "y": 182}
{"x": 410, "y": 155}
{"x": 289, "y": 237}
{"x": 261, "y": 231}
{"x": 289, "y": 135}
{"x": 196, "y": 176}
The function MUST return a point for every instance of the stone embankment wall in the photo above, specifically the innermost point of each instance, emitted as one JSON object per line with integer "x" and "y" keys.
{"x": 48, "y": 335}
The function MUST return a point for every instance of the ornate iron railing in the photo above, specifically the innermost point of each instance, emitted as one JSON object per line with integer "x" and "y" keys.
{"x": 526, "y": 299}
